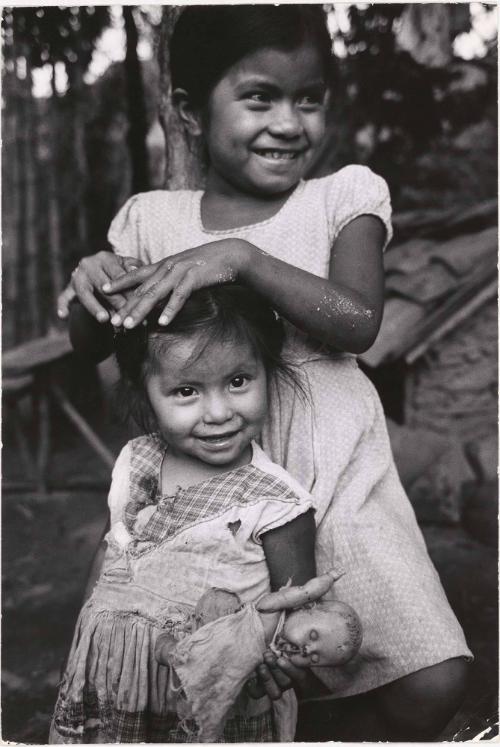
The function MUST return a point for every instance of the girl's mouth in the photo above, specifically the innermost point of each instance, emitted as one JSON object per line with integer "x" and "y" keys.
{"x": 278, "y": 155}
{"x": 220, "y": 439}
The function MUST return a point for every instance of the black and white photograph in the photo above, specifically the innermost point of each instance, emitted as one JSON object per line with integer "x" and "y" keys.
{"x": 249, "y": 373}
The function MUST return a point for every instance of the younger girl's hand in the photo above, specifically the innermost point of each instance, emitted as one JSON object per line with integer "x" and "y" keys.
{"x": 87, "y": 280}
{"x": 176, "y": 277}
{"x": 275, "y": 675}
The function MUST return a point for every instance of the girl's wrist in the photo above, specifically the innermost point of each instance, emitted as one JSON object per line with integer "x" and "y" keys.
{"x": 245, "y": 254}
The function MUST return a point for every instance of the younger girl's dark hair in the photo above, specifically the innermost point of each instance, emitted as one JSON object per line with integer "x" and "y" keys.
{"x": 222, "y": 313}
{"x": 209, "y": 39}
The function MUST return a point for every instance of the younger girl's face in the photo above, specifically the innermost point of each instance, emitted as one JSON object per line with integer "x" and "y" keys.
{"x": 265, "y": 120}
{"x": 209, "y": 408}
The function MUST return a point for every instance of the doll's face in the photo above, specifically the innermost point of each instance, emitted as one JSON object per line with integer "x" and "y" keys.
{"x": 326, "y": 634}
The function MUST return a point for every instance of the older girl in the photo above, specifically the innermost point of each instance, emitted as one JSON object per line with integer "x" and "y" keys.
{"x": 253, "y": 83}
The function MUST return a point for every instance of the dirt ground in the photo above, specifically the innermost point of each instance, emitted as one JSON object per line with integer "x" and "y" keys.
{"x": 48, "y": 543}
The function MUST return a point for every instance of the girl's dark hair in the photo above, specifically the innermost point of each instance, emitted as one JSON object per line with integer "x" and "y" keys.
{"x": 223, "y": 313}
{"x": 208, "y": 40}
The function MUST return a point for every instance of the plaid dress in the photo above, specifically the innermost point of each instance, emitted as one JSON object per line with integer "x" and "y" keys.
{"x": 163, "y": 552}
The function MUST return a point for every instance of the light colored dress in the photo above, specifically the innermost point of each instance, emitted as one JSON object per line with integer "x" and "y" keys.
{"x": 336, "y": 445}
{"x": 163, "y": 552}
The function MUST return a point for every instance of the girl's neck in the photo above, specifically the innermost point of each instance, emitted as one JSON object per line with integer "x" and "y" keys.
{"x": 182, "y": 471}
{"x": 223, "y": 209}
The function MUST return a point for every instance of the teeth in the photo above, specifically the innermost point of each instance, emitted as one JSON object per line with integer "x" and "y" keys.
{"x": 278, "y": 155}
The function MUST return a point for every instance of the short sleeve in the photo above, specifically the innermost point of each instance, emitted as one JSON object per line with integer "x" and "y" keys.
{"x": 124, "y": 234}
{"x": 356, "y": 190}
{"x": 276, "y": 512}
{"x": 118, "y": 495}
{"x": 285, "y": 500}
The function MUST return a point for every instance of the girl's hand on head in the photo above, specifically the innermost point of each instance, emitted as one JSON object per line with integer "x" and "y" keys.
{"x": 176, "y": 277}
{"x": 88, "y": 279}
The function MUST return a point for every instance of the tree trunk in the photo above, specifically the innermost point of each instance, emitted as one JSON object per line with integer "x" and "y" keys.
{"x": 11, "y": 213}
{"x": 76, "y": 92}
{"x": 184, "y": 169}
{"x": 54, "y": 216}
{"x": 138, "y": 126}
{"x": 32, "y": 276}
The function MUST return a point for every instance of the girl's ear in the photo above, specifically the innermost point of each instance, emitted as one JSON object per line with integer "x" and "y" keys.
{"x": 189, "y": 115}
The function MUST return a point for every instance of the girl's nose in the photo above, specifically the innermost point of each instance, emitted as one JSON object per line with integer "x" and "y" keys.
{"x": 286, "y": 121}
{"x": 217, "y": 409}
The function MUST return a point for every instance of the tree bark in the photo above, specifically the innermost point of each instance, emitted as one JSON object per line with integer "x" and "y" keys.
{"x": 76, "y": 92}
{"x": 183, "y": 163}
{"x": 54, "y": 213}
{"x": 11, "y": 212}
{"x": 29, "y": 131}
{"x": 138, "y": 127}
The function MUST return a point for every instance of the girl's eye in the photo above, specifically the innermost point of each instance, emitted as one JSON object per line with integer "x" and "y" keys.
{"x": 258, "y": 97}
{"x": 185, "y": 391}
{"x": 312, "y": 102}
{"x": 239, "y": 382}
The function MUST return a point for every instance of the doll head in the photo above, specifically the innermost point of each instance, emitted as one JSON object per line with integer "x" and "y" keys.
{"x": 324, "y": 633}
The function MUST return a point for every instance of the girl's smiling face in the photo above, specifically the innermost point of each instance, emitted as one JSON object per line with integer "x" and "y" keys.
{"x": 264, "y": 121}
{"x": 209, "y": 407}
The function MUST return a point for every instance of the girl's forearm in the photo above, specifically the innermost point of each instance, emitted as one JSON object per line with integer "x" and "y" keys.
{"x": 89, "y": 337}
{"x": 334, "y": 314}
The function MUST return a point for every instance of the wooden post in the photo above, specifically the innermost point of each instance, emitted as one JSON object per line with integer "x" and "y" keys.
{"x": 184, "y": 169}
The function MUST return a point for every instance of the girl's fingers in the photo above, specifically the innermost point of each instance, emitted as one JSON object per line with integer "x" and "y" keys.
{"x": 266, "y": 678}
{"x": 281, "y": 678}
{"x": 180, "y": 294}
{"x": 297, "y": 676}
{"x": 88, "y": 278}
{"x": 64, "y": 300}
{"x": 129, "y": 279}
{"x": 255, "y": 689}
{"x": 145, "y": 298}
{"x": 89, "y": 301}
{"x": 131, "y": 263}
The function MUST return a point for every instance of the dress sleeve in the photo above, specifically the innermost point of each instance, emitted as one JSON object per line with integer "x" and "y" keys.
{"x": 282, "y": 500}
{"x": 118, "y": 495}
{"x": 355, "y": 191}
{"x": 125, "y": 234}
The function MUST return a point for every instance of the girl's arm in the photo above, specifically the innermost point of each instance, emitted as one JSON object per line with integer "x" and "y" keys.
{"x": 343, "y": 311}
{"x": 289, "y": 552}
{"x": 89, "y": 337}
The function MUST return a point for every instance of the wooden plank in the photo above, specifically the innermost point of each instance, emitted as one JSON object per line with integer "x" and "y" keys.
{"x": 82, "y": 426}
{"x": 39, "y": 352}
{"x": 463, "y": 313}
{"x": 16, "y": 384}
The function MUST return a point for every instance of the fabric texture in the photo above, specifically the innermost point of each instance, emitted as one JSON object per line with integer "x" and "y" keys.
{"x": 336, "y": 444}
{"x": 154, "y": 572}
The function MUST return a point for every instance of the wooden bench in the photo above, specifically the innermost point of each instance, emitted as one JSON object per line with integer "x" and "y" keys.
{"x": 28, "y": 369}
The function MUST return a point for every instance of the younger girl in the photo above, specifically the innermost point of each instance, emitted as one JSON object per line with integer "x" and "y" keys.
{"x": 194, "y": 505}
{"x": 253, "y": 83}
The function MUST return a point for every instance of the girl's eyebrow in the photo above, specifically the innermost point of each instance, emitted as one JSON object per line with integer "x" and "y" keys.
{"x": 264, "y": 82}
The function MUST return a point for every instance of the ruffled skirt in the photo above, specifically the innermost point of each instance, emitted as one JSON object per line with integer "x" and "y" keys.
{"x": 114, "y": 690}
